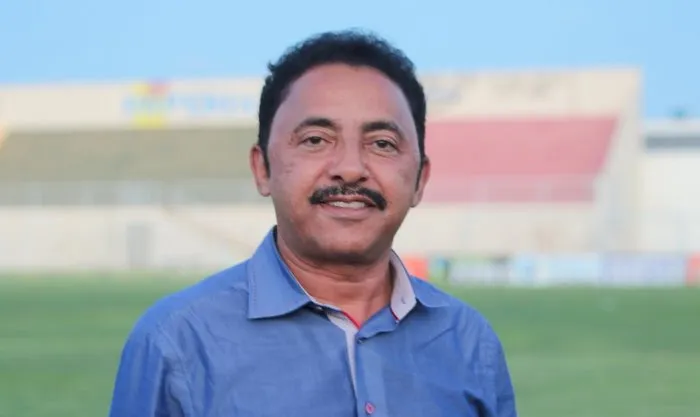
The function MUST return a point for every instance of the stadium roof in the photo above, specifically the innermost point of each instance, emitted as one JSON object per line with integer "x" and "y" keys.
{"x": 673, "y": 127}
{"x": 672, "y": 134}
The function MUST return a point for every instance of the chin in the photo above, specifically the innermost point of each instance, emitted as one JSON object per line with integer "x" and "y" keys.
{"x": 348, "y": 249}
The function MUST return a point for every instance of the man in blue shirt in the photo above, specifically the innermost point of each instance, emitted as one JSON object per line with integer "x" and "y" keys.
{"x": 323, "y": 320}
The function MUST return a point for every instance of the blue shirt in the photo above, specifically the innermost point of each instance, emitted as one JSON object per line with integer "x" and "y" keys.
{"x": 250, "y": 342}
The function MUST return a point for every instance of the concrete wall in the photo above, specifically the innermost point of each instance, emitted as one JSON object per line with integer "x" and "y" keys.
{"x": 587, "y": 92}
{"x": 153, "y": 237}
{"x": 670, "y": 201}
{"x": 618, "y": 206}
{"x": 208, "y": 102}
{"x": 231, "y": 101}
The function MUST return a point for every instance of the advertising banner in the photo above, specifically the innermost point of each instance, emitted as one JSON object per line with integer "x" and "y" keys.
{"x": 574, "y": 269}
{"x": 692, "y": 277}
{"x": 571, "y": 269}
{"x": 522, "y": 270}
{"x": 478, "y": 270}
{"x": 416, "y": 266}
{"x": 643, "y": 270}
{"x": 556, "y": 269}
{"x": 154, "y": 104}
{"x": 438, "y": 268}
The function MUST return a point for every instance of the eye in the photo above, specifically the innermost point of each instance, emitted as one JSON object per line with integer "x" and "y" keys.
{"x": 313, "y": 140}
{"x": 384, "y": 145}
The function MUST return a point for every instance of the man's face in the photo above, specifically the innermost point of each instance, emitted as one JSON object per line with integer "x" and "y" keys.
{"x": 344, "y": 163}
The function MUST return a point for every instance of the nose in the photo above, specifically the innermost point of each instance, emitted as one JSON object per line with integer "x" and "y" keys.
{"x": 348, "y": 165}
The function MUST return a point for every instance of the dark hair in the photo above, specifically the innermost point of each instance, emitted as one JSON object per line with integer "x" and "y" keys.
{"x": 352, "y": 47}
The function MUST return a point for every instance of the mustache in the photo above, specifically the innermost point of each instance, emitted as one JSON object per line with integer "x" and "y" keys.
{"x": 322, "y": 194}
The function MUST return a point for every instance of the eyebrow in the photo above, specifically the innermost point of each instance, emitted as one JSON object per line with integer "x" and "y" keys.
{"x": 382, "y": 125}
{"x": 367, "y": 127}
{"x": 323, "y": 122}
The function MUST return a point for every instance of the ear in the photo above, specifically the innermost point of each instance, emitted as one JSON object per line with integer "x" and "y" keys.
{"x": 259, "y": 169}
{"x": 423, "y": 177}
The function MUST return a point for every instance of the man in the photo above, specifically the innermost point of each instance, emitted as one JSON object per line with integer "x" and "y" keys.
{"x": 323, "y": 320}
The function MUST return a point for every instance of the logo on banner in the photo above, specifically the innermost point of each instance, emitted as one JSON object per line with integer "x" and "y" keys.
{"x": 153, "y": 104}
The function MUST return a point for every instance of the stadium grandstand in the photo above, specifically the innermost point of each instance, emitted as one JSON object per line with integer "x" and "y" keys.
{"x": 148, "y": 175}
{"x": 670, "y": 203}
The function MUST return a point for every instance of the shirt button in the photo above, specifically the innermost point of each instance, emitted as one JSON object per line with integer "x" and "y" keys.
{"x": 369, "y": 408}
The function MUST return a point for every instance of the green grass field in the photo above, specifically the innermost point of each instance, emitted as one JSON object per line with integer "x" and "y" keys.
{"x": 572, "y": 352}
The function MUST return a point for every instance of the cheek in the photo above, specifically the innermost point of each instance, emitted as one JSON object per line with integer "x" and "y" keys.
{"x": 402, "y": 185}
{"x": 292, "y": 181}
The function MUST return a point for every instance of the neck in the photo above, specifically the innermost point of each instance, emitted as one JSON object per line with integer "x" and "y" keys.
{"x": 358, "y": 290}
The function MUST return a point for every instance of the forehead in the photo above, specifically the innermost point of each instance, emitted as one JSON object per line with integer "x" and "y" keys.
{"x": 345, "y": 93}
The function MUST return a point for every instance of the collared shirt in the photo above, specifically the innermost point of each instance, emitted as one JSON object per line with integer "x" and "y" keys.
{"x": 250, "y": 342}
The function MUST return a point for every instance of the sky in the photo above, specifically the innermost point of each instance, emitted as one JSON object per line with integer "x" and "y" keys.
{"x": 108, "y": 40}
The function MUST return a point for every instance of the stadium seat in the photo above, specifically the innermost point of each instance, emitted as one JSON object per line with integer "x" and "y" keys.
{"x": 517, "y": 160}
{"x": 150, "y": 155}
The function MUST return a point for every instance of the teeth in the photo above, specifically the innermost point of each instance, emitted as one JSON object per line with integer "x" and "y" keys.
{"x": 351, "y": 204}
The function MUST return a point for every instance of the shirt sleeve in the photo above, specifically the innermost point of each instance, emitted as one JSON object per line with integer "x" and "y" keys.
{"x": 149, "y": 380}
{"x": 505, "y": 394}
{"x": 495, "y": 376}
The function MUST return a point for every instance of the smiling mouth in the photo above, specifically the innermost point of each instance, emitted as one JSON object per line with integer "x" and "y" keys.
{"x": 348, "y": 204}
{"x": 348, "y": 198}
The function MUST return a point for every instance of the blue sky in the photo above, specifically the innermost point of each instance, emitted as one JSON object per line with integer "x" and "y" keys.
{"x": 85, "y": 40}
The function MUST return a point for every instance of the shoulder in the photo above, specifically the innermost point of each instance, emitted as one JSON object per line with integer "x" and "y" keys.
{"x": 474, "y": 335}
{"x": 478, "y": 345}
{"x": 465, "y": 319}
{"x": 170, "y": 314}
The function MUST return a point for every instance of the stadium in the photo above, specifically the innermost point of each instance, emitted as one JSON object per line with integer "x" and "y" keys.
{"x": 553, "y": 207}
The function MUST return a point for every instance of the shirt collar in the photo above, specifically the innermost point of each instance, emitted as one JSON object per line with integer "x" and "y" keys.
{"x": 274, "y": 291}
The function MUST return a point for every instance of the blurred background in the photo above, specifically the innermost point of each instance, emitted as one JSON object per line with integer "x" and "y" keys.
{"x": 564, "y": 201}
